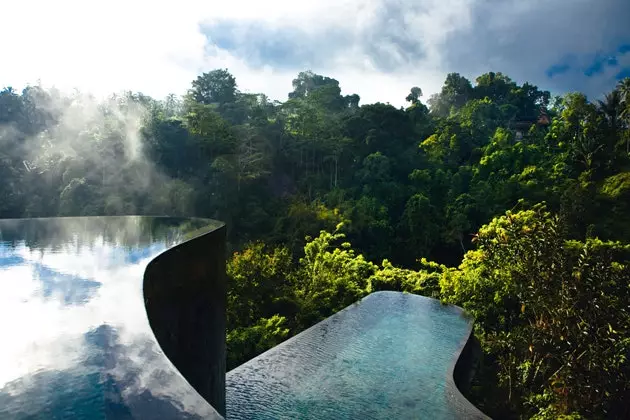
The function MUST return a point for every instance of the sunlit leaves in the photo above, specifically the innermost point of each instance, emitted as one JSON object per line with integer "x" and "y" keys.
{"x": 558, "y": 305}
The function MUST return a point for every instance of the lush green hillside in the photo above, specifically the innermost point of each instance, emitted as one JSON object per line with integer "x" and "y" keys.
{"x": 498, "y": 198}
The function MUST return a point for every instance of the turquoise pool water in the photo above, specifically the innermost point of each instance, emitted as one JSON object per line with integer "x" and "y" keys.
{"x": 390, "y": 356}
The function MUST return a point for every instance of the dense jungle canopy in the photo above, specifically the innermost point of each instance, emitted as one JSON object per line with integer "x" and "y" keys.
{"x": 494, "y": 195}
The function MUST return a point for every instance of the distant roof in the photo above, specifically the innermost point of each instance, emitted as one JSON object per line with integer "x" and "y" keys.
{"x": 542, "y": 119}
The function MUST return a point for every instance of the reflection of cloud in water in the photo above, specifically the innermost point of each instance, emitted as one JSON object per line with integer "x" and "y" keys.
{"x": 80, "y": 345}
{"x": 95, "y": 388}
{"x": 43, "y": 325}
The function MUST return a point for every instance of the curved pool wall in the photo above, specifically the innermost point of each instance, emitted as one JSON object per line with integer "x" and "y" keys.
{"x": 185, "y": 298}
{"x": 390, "y": 355}
{"x": 78, "y": 340}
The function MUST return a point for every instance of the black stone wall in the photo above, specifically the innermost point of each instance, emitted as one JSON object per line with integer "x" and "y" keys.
{"x": 185, "y": 299}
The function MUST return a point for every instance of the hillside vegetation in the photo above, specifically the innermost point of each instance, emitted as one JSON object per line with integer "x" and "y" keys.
{"x": 474, "y": 199}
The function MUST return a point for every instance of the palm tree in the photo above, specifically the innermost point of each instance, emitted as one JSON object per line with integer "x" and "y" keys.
{"x": 624, "y": 89}
{"x": 611, "y": 108}
{"x": 624, "y": 93}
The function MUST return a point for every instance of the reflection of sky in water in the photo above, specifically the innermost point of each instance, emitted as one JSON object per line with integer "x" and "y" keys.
{"x": 47, "y": 295}
{"x": 77, "y": 340}
{"x": 71, "y": 289}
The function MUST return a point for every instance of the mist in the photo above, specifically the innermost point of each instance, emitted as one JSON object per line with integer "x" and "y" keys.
{"x": 81, "y": 155}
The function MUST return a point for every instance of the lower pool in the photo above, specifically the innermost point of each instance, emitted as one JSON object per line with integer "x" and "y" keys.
{"x": 389, "y": 356}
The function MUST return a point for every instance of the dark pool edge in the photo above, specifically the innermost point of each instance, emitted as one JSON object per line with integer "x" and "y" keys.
{"x": 189, "y": 325}
{"x": 460, "y": 371}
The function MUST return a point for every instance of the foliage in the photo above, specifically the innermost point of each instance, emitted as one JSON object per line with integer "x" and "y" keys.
{"x": 411, "y": 187}
{"x": 552, "y": 312}
{"x": 332, "y": 277}
{"x": 246, "y": 342}
{"x": 258, "y": 283}
{"x": 389, "y": 277}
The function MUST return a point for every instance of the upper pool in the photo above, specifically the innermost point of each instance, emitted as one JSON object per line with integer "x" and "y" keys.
{"x": 77, "y": 342}
{"x": 389, "y": 356}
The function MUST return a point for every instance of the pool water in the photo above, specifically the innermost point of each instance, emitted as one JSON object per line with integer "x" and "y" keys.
{"x": 76, "y": 339}
{"x": 389, "y": 356}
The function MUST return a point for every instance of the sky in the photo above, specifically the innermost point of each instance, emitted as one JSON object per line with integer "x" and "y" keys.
{"x": 376, "y": 48}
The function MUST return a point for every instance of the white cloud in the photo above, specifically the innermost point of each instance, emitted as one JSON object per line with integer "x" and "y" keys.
{"x": 100, "y": 46}
{"x": 159, "y": 47}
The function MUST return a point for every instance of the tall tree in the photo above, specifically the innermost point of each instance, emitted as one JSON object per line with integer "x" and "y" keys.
{"x": 216, "y": 87}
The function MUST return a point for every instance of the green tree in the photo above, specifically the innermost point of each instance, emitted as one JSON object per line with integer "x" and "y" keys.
{"x": 259, "y": 284}
{"x": 550, "y": 315}
{"x": 457, "y": 90}
{"x": 216, "y": 87}
{"x": 414, "y": 95}
{"x": 332, "y": 276}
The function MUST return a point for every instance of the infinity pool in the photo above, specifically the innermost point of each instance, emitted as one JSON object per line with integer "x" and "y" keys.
{"x": 76, "y": 339}
{"x": 389, "y": 356}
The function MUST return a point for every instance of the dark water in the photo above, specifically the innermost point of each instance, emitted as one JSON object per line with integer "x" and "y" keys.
{"x": 76, "y": 339}
{"x": 390, "y": 356}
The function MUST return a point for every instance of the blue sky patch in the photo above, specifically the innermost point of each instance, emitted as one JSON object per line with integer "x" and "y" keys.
{"x": 557, "y": 69}
{"x": 136, "y": 255}
{"x": 623, "y": 74}
{"x": 10, "y": 260}
{"x": 591, "y": 65}
{"x": 599, "y": 64}
{"x": 282, "y": 47}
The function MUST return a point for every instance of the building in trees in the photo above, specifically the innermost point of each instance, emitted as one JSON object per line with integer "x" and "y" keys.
{"x": 522, "y": 125}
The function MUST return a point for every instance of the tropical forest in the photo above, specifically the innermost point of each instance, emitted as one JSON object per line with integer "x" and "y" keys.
{"x": 499, "y": 197}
